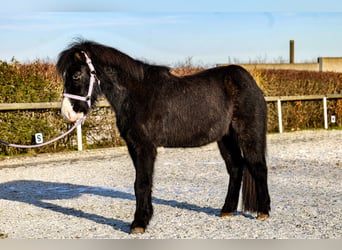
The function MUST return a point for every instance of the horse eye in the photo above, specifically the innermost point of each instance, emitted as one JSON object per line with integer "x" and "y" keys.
{"x": 76, "y": 76}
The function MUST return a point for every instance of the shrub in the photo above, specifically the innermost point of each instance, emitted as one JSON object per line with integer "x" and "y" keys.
{"x": 38, "y": 82}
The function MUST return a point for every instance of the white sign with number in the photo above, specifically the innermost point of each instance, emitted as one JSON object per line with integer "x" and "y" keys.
{"x": 38, "y": 138}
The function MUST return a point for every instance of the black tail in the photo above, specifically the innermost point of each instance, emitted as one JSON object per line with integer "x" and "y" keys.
{"x": 249, "y": 197}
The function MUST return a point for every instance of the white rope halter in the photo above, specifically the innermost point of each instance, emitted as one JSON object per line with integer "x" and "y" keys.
{"x": 93, "y": 79}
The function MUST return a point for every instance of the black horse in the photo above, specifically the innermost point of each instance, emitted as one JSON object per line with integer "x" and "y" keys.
{"x": 156, "y": 108}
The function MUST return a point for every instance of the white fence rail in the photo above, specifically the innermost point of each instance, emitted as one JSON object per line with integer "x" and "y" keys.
{"x": 277, "y": 99}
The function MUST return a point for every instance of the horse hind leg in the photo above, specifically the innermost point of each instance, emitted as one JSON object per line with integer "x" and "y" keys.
{"x": 234, "y": 163}
{"x": 255, "y": 189}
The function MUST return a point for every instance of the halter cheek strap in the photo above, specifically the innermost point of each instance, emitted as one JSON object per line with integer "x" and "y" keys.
{"x": 92, "y": 80}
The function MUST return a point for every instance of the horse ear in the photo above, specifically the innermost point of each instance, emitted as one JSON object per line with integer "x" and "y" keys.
{"x": 78, "y": 56}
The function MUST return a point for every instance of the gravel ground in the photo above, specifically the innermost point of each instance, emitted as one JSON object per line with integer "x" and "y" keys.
{"x": 90, "y": 194}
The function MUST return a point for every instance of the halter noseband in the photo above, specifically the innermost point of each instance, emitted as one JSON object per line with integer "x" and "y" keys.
{"x": 92, "y": 80}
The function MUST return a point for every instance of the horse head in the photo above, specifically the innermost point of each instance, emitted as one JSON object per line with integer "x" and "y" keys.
{"x": 81, "y": 85}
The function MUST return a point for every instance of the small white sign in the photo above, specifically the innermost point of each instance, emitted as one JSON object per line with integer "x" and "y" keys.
{"x": 333, "y": 119}
{"x": 38, "y": 138}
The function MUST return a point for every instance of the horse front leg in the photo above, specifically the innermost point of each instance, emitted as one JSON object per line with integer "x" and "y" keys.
{"x": 143, "y": 157}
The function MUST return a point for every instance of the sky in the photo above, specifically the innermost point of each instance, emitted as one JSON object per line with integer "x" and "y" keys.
{"x": 208, "y": 32}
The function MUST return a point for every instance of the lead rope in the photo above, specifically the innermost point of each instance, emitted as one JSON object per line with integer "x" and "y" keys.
{"x": 77, "y": 123}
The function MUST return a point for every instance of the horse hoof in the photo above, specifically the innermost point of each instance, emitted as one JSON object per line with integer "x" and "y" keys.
{"x": 3, "y": 235}
{"x": 262, "y": 216}
{"x": 227, "y": 215}
{"x": 137, "y": 230}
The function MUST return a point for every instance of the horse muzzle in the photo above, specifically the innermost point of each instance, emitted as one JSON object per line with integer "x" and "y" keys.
{"x": 68, "y": 112}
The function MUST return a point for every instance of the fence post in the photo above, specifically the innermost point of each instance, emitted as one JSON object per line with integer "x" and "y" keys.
{"x": 325, "y": 111}
{"x": 79, "y": 138}
{"x": 280, "y": 116}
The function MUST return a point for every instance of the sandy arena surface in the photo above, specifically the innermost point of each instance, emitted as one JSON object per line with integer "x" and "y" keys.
{"x": 90, "y": 194}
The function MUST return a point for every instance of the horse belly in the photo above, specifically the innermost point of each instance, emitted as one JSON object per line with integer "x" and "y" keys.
{"x": 192, "y": 130}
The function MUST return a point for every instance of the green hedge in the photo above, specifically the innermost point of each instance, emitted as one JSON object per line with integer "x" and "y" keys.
{"x": 36, "y": 82}
{"x": 294, "y": 82}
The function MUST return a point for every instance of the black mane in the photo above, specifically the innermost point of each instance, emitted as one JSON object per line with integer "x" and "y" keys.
{"x": 108, "y": 56}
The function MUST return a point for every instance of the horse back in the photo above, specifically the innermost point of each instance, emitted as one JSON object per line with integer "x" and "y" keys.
{"x": 197, "y": 109}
